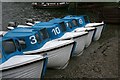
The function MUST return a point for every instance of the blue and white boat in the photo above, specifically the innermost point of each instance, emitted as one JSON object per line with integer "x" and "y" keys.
{"x": 83, "y": 21}
{"x": 78, "y": 37}
{"x": 38, "y": 42}
{"x": 73, "y": 27}
{"x": 13, "y": 64}
{"x": 56, "y": 31}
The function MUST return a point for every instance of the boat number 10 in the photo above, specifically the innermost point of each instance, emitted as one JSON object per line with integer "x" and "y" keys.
{"x": 33, "y": 40}
{"x": 56, "y": 30}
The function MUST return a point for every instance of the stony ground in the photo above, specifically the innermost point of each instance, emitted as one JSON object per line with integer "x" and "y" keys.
{"x": 99, "y": 60}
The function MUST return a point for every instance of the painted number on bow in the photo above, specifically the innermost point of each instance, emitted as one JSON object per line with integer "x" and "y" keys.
{"x": 56, "y": 30}
{"x": 33, "y": 39}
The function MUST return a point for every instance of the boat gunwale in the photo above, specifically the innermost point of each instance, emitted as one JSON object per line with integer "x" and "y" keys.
{"x": 50, "y": 49}
{"x": 97, "y": 25}
{"x": 15, "y": 67}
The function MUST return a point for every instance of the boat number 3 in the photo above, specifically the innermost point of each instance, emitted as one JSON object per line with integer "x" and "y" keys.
{"x": 56, "y": 30}
{"x": 33, "y": 39}
{"x": 80, "y": 21}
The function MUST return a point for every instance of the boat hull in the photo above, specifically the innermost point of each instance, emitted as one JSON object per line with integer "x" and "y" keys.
{"x": 31, "y": 70}
{"x": 58, "y": 58}
{"x": 80, "y": 45}
{"x": 44, "y": 6}
{"x": 79, "y": 38}
{"x": 88, "y": 39}
{"x": 50, "y": 7}
{"x": 97, "y": 33}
